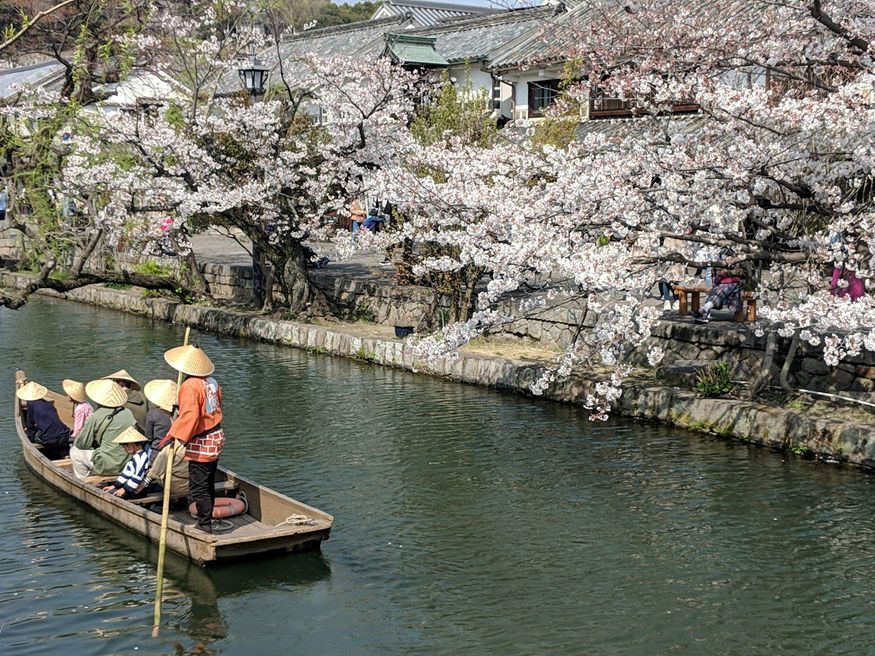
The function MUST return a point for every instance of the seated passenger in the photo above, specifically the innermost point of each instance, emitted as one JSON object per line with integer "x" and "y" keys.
{"x": 162, "y": 395}
{"x": 136, "y": 402}
{"x": 93, "y": 451}
{"x": 81, "y": 407}
{"x": 42, "y": 424}
{"x": 154, "y": 481}
{"x": 129, "y": 483}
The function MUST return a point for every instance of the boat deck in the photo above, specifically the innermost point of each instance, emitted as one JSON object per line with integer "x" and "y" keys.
{"x": 273, "y": 522}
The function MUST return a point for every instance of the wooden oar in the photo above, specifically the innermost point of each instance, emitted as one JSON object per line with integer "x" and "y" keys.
{"x": 165, "y": 514}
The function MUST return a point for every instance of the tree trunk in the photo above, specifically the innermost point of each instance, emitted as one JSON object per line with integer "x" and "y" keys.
{"x": 759, "y": 383}
{"x": 302, "y": 297}
{"x": 788, "y": 361}
{"x": 194, "y": 277}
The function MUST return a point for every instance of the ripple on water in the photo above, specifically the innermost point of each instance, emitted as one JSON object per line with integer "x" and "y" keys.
{"x": 467, "y": 521}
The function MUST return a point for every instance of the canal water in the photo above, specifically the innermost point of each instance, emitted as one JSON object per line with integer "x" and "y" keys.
{"x": 468, "y": 521}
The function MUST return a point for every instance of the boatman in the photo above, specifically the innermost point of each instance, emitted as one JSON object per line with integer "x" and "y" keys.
{"x": 198, "y": 426}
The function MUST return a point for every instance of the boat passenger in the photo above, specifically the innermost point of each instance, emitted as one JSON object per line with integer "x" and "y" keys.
{"x": 81, "y": 407}
{"x": 93, "y": 451}
{"x": 198, "y": 426}
{"x": 129, "y": 483}
{"x": 136, "y": 402}
{"x": 162, "y": 395}
{"x": 154, "y": 481}
{"x": 42, "y": 423}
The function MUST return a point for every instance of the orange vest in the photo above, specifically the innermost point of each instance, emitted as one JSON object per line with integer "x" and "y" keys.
{"x": 200, "y": 413}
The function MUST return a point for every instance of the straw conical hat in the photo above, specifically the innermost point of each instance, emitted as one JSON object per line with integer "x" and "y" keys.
{"x": 189, "y": 360}
{"x": 130, "y": 435}
{"x": 161, "y": 392}
{"x": 31, "y": 392}
{"x": 122, "y": 374}
{"x": 74, "y": 389}
{"x": 107, "y": 393}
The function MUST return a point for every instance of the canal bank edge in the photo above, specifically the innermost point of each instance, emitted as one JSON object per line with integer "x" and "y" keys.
{"x": 756, "y": 423}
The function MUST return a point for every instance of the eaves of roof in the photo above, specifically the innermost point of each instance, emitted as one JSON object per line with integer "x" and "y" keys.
{"x": 43, "y": 75}
{"x": 473, "y": 39}
{"x": 346, "y": 28}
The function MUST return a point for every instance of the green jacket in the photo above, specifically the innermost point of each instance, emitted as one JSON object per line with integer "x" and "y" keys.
{"x": 98, "y": 433}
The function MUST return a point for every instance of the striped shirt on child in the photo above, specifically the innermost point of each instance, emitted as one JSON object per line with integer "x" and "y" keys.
{"x": 134, "y": 472}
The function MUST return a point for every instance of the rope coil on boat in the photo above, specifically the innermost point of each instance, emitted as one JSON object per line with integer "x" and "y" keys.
{"x": 298, "y": 520}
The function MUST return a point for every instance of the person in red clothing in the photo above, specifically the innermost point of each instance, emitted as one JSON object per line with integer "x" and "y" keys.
{"x": 198, "y": 426}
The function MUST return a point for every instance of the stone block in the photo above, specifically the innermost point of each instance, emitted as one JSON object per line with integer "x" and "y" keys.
{"x": 865, "y": 372}
{"x": 683, "y": 373}
{"x": 863, "y": 385}
{"x": 815, "y": 366}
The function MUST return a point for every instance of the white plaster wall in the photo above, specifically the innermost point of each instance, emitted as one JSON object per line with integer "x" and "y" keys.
{"x": 481, "y": 81}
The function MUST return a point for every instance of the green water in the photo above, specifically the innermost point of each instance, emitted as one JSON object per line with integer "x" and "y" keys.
{"x": 467, "y": 522}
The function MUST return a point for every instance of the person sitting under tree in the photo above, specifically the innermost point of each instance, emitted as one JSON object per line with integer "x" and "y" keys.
{"x": 726, "y": 292}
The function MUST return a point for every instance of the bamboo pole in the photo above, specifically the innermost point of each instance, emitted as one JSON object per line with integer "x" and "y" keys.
{"x": 165, "y": 514}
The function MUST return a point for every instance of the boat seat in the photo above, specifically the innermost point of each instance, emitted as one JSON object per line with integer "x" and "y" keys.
{"x": 158, "y": 497}
{"x": 63, "y": 462}
{"x": 97, "y": 480}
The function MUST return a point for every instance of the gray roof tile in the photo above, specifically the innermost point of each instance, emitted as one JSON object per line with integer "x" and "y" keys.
{"x": 472, "y": 39}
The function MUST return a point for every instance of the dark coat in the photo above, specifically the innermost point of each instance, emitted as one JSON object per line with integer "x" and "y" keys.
{"x": 137, "y": 405}
{"x": 43, "y": 424}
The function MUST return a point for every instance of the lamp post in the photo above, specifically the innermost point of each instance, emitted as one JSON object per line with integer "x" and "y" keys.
{"x": 254, "y": 78}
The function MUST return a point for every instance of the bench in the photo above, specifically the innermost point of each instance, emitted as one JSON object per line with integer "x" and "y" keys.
{"x": 221, "y": 488}
{"x": 748, "y": 311}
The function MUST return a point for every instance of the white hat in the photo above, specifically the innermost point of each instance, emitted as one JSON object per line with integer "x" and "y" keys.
{"x": 74, "y": 389}
{"x": 189, "y": 360}
{"x": 162, "y": 392}
{"x": 107, "y": 393}
{"x": 130, "y": 435}
{"x": 122, "y": 374}
{"x": 31, "y": 392}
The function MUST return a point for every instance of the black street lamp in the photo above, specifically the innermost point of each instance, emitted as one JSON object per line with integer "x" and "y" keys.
{"x": 254, "y": 77}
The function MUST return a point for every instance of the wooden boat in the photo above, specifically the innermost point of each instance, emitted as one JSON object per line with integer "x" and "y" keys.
{"x": 273, "y": 522}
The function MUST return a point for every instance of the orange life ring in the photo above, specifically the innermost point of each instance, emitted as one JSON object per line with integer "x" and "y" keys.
{"x": 223, "y": 507}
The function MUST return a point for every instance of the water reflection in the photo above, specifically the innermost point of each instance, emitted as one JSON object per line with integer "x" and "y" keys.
{"x": 60, "y": 533}
{"x": 468, "y": 521}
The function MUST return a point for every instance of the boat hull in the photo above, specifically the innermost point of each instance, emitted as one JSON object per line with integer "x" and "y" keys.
{"x": 263, "y": 530}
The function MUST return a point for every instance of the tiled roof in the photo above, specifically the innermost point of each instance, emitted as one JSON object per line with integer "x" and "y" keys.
{"x": 350, "y": 40}
{"x": 472, "y": 39}
{"x": 550, "y": 42}
{"x": 428, "y": 13}
{"x": 558, "y": 36}
{"x": 31, "y": 76}
{"x": 414, "y": 49}
{"x": 622, "y": 127}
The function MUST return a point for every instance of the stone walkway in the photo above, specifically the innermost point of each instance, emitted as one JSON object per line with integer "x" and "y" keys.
{"x": 212, "y": 248}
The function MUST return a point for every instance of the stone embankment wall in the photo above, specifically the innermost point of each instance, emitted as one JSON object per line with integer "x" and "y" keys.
{"x": 685, "y": 344}
{"x": 779, "y": 428}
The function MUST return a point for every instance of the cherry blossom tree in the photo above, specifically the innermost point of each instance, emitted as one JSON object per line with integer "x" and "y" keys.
{"x": 213, "y": 156}
{"x": 773, "y": 167}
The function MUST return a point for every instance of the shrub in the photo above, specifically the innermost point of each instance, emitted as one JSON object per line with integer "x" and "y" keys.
{"x": 715, "y": 381}
{"x": 152, "y": 268}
